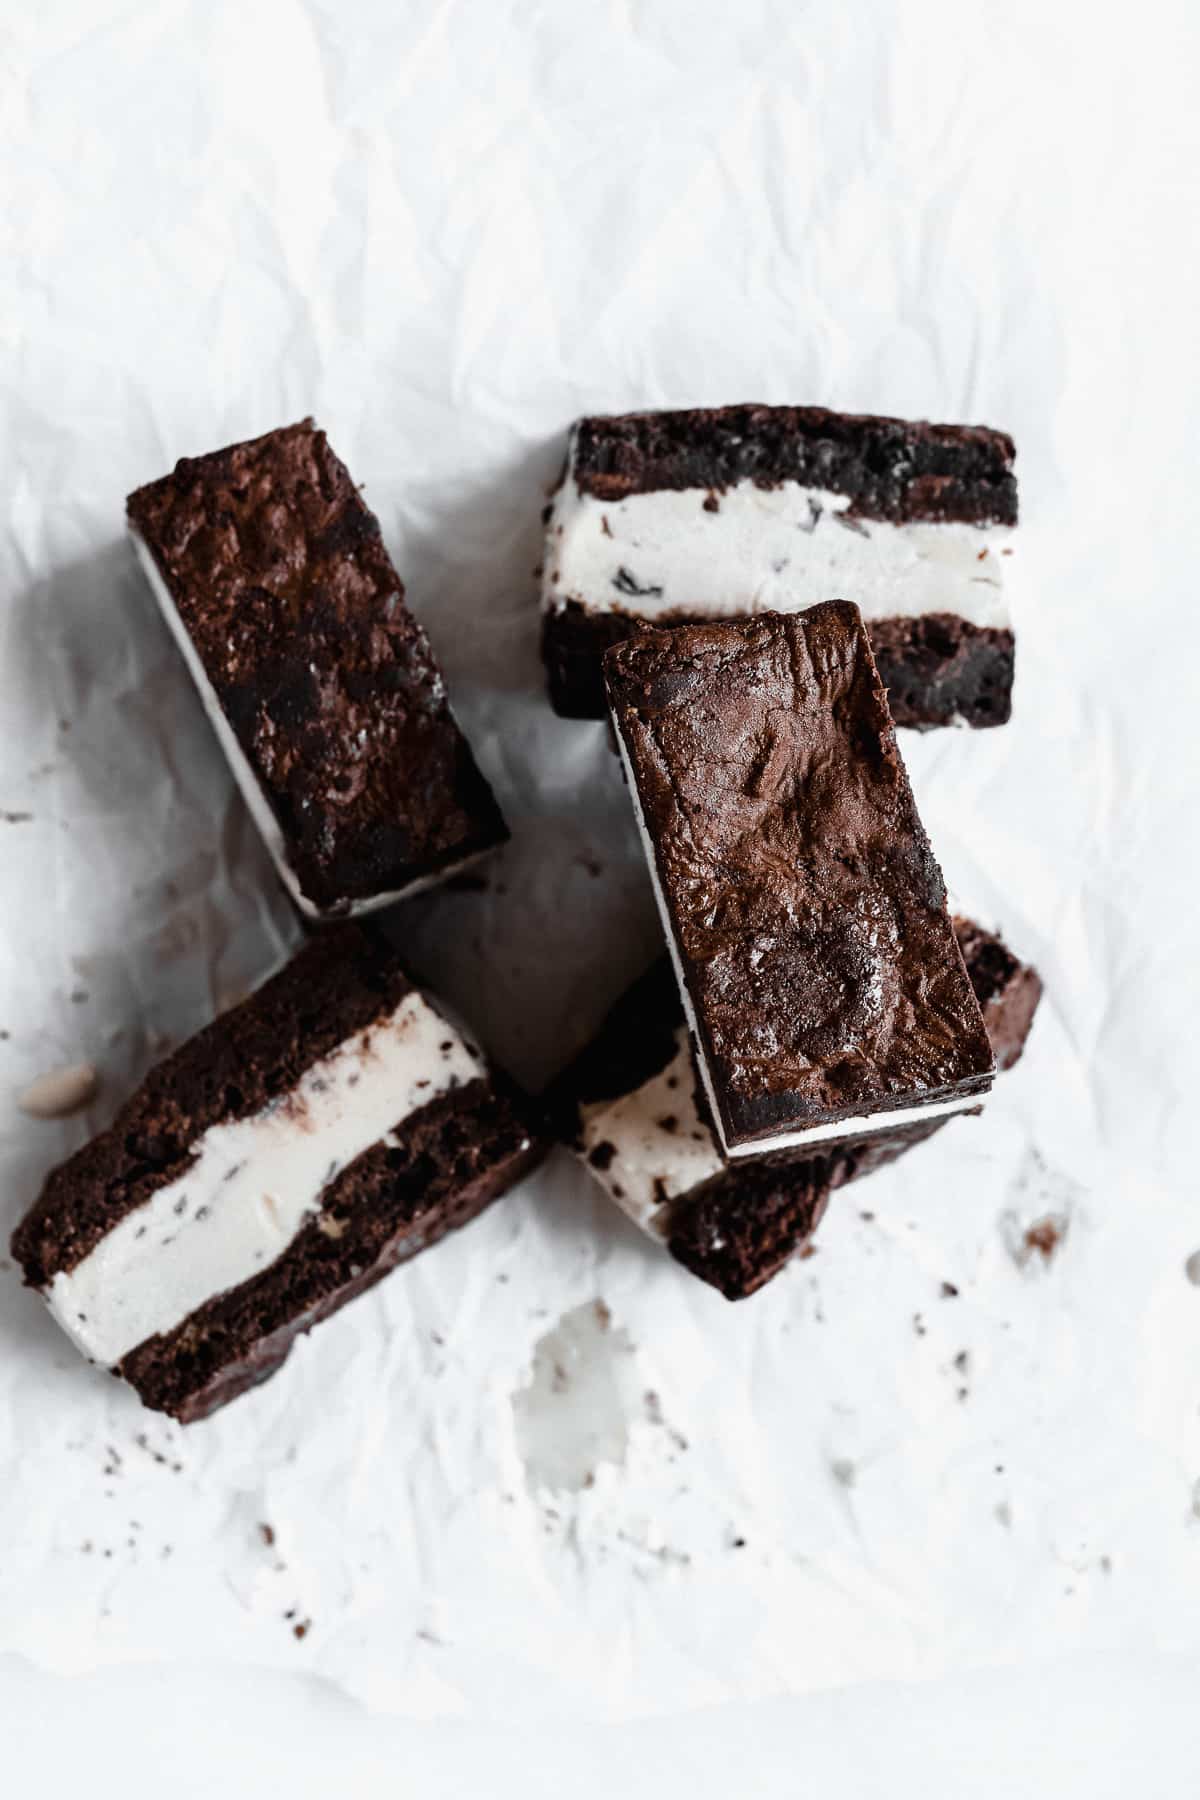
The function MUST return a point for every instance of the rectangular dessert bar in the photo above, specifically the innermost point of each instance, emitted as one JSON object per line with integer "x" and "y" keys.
{"x": 632, "y": 1107}
{"x": 802, "y": 904}
{"x": 273, "y": 578}
{"x": 666, "y": 517}
{"x": 285, "y": 1159}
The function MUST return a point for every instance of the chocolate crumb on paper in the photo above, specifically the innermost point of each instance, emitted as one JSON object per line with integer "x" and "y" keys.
{"x": 1045, "y": 1236}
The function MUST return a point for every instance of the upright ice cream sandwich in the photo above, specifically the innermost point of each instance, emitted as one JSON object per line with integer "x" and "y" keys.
{"x": 273, "y": 578}
{"x": 803, "y": 908}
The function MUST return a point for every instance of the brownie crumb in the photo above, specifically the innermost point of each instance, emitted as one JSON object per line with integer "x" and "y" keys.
{"x": 949, "y": 1291}
{"x": 1045, "y": 1236}
{"x": 267, "y": 1534}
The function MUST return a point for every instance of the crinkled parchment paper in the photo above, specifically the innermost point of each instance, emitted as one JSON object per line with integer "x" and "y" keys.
{"x": 541, "y": 1470}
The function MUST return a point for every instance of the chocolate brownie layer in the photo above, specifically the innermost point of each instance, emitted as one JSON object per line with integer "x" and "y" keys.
{"x": 740, "y": 1230}
{"x": 1008, "y": 990}
{"x": 895, "y": 469}
{"x": 574, "y": 640}
{"x": 284, "y": 1159}
{"x": 279, "y": 579}
{"x": 798, "y": 889}
{"x": 937, "y": 669}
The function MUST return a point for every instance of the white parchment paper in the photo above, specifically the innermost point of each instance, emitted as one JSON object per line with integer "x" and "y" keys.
{"x": 446, "y": 230}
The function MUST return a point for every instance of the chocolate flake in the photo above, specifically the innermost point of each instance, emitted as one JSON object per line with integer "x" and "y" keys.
{"x": 625, "y": 583}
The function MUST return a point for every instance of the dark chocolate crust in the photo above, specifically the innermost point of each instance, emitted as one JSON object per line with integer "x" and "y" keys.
{"x": 741, "y": 1227}
{"x": 937, "y": 668}
{"x": 338, "y": 984}
{"x": 1007, "y": 989}
{"x": 451, "y": 1160}
{"x": 280, "y": 576}
{"x": 807, "y": 908}
{"x": 902, "y": 470}
{"x": 574, "y": 641}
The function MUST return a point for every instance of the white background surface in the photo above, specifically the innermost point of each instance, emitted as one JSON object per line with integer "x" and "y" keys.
{"x": 445, "y": 230}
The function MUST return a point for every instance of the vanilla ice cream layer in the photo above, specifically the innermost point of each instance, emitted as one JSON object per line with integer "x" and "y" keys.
{"x": 651, "y": 1145}
{"x": 760, "y": 549}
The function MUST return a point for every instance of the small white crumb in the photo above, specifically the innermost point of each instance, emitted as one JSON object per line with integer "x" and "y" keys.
{"x": 60, "y": 1092}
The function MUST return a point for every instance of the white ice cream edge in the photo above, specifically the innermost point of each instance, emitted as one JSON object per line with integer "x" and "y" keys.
{"x": 253, "y": 1183}
{"x": 651, "y": 1166}
{"x": 859, "y": 1125}
{"x": 779, "y": 549}
{"x": 251, "y": 788}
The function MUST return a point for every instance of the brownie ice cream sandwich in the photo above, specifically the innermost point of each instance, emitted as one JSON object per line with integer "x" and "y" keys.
{"x": 665, "y": 517}
{"x": 273, "y": 578}
{"x": 290, "y": 1155}
{"x": 632, "y": 1107}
